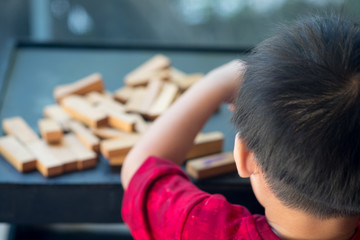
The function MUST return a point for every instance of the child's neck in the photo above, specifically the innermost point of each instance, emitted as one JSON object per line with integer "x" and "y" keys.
{"x": 294, "y": 224}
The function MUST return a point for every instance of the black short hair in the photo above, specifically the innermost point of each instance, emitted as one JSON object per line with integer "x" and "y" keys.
{"x": 298, "y": 110}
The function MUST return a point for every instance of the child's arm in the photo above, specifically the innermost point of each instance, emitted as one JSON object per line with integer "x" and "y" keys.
{"x": 171, "y": 136}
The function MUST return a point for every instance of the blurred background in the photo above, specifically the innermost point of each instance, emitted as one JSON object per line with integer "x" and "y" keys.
{"x": 173, "y": 22}
{"x": 220, "y": 23}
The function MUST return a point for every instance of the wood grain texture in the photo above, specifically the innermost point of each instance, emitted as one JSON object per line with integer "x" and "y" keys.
{"x": 58, "y": 114}
{"x": 93, "y": 82}
{"x": 50, "y": 130}
{"x": 18, "y": 128}
{"x": 17, "y": 154}
{"x": 211, "y": 166}
{"x": 151, "y": 68}
{"x": 206, "y": 144}
{"x": 85, "y": 135}
{"x": 86, "y": 158}
{"x": 114, "y": 147}
{"x": 47, "y": 163}
{"x": 84, "y": 112}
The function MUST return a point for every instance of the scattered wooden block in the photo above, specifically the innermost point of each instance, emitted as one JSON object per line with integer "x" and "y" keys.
{"x": 18, "y": 128}
{"x": 84, "y": 112}
{"x": 17, "y": 154}
{"x": 119, "y": 120}
{"x": 206, "y": 144}
{"x": 141, "y": 126}
{"x": 93, "y": 82}
{"x": 211, "y": 166}
{"x": 166, "y": 97}
{"x": 123, "y": 94}
{"x": 183, "y": 80}
{"x": 110, "y": 133}
{"x": 50, "y": 130}
{"x": 85, "y": 157}
{"x": 142, "y": 74}
{"x": 47, "y": 163}
{"x": 136, "y": 100}
{"x": 117, "y": 160}
{"x": 96, "y": 97}
{"x": 114, "y": 147}
{"x": 153, "y": 90}
{"x": 65, "y": 156}
{"x": 58, "y": 114}
{"x": 85, "y": 135}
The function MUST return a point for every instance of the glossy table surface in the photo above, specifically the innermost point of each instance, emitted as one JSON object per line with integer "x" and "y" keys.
{"x": 29, "y": 77}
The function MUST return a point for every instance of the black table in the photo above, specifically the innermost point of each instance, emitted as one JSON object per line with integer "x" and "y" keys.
{"x": 28, "y": 77}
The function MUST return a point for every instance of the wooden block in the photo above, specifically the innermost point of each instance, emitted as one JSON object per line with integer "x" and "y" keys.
{"x": 85, "y": 135}
{"x": 115, "y": 147}
{"x": 17, "y": 154}
{"x": 65, "y": 156}
{"x": 206, "y": 144}
{"x": 47, "y": 163}
{"x": 142, "y": 74}
{"x": 117, "y": 160}
{"x": 136, "y": 100}
{"x": 211, "y": 166}
{"x": 153, "y": 90}
{"x": 123, "y": 94}
{"x": 96, "y": 97}
{"x": 84, "y": 112}
{"x": 86, "y": 158}
{"x": 58, "y": 114}
{"x": 93, "y": 82}
{"x": 18, "y": 128}
{"x": 50, "y": 130}
{"x": 106, "y": 102}
{"x": 110, "y": 133}
{"x": 119, "y": 120}
{"x": 166, "y": 97}
{"x": 141, "y": 126}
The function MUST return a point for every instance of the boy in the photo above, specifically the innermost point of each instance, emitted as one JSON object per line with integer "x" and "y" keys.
{"x": 298, "y": 119}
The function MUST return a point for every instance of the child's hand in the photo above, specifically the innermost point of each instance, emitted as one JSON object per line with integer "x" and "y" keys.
{"x": 228, "y": 77}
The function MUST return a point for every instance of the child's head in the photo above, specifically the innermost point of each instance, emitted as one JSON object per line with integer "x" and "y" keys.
{"x": 298, "y": 111}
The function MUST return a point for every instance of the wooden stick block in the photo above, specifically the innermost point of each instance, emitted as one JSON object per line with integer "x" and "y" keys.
{"x": 141, "y": 126}
{"x": 166, "y": 97}
{"x": 65, "y": 156}
{"x": 189, "y": 80}
{"x": 211, "y": 166}
{"x": 142, "y": 74}
{"x": 58, "y": 114}
{"x": 86, "y": 158}
{"x": 123, "y": 94}
{"x": 47, "y": 163}
{"x": 85, "y": 135}
{"x": 206, "y": 144}
{"x": 183, "y": 80}
{"x": 18, "y": 128}
{"x": 114, "y": 147}
{"x": 152, "y": 92}
{"x": 96, "y": 97}
{"x": 110, "y": 133}
{"x": 136, "y": 100}
{"x": 117, "y": 160}
{"x": 93, "y": 82}
{"x": 84, "y": 112}
{"x": 17, "y": 154}
{"x": 119, "y": 120}
{"x": 105, "y": 102}
{"x": 50, "y": 130}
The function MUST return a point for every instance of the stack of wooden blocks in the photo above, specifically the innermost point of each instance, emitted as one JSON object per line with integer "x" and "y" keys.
{"x": 87, "y": 120}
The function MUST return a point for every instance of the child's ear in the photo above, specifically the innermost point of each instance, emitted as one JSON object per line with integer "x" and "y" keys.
{"x": 244, "y": 159}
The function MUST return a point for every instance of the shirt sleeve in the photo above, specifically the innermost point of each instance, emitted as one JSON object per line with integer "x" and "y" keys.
{"x": 162, "y": 203}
